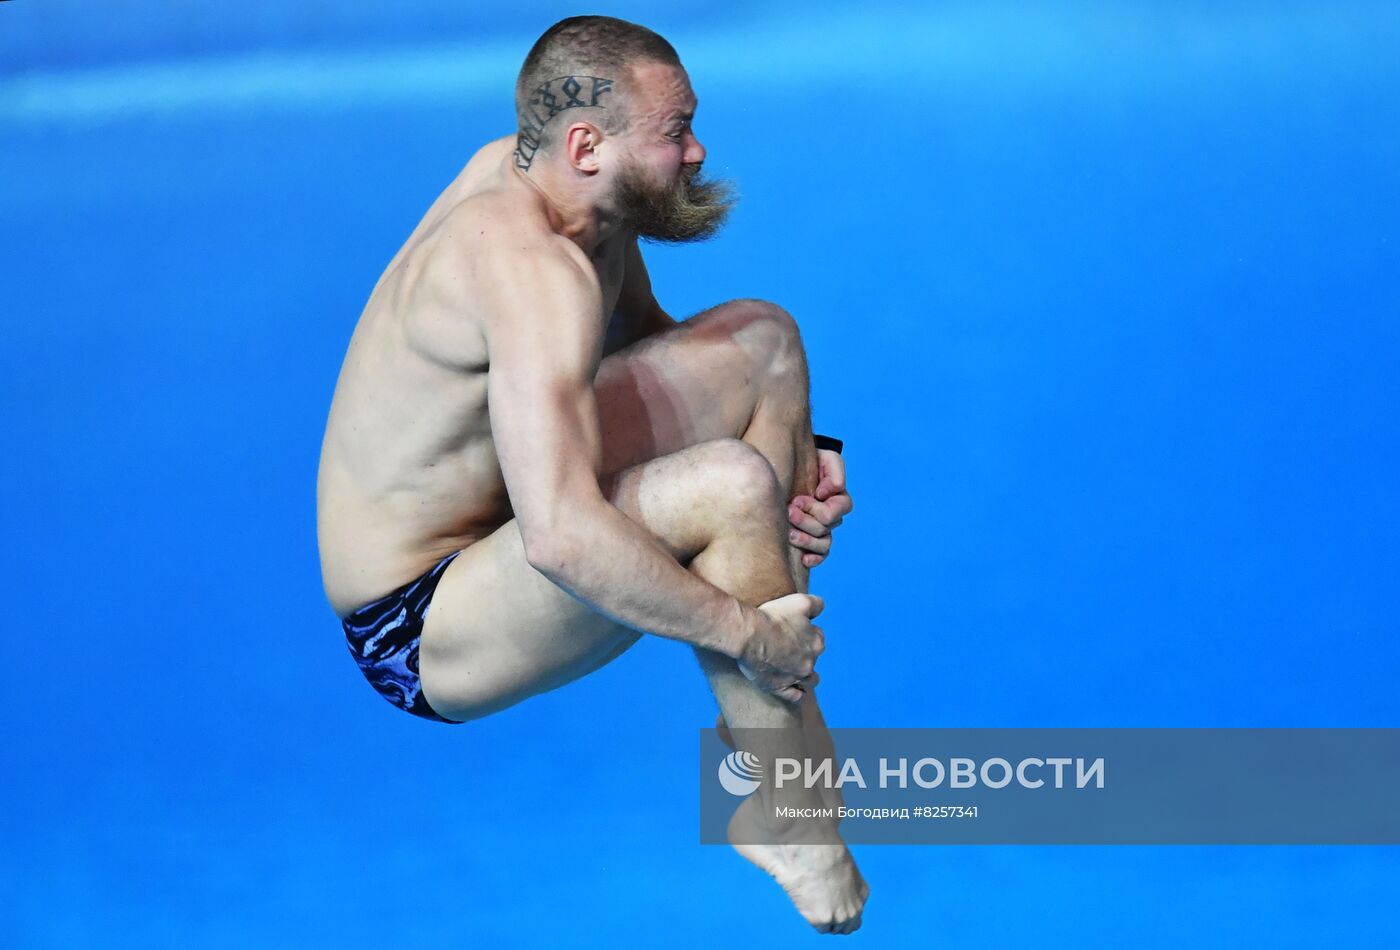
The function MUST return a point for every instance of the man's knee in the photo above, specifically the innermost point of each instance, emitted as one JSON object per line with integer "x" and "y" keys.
{"x": 737, "y": 481}
{"x": 759, "y": 324}
{"x": 782, "y": 323}
{"x": 782, "y": 341}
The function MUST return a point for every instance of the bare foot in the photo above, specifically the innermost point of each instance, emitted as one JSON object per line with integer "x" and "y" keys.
{"x": 821, "y": 879}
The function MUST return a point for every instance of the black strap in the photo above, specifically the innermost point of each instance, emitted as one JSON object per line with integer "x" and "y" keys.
{"x": 828, "y": 442}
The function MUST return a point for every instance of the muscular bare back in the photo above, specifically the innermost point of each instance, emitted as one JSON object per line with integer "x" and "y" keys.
{"x": 409, "y": 471}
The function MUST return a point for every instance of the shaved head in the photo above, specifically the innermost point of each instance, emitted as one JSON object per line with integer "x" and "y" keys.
{"x": 583, "y": 63}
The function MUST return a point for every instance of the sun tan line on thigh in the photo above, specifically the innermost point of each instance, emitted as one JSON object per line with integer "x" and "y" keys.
{"x": 698, "y": 381}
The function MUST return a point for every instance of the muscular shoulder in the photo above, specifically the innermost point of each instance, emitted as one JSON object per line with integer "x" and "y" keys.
{"x": 467, "y": 259}
{"x": 493, "y": 244}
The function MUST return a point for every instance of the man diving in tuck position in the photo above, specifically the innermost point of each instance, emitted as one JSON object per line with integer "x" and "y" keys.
{"x": 523, "y": 438}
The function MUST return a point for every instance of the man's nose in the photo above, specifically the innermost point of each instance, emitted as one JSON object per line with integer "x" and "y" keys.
{"x": 694, "y": 151}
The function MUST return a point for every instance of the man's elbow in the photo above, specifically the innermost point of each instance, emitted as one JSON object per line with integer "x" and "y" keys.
{"x": 558, "y": 534}
{"x": 551, "y": 552}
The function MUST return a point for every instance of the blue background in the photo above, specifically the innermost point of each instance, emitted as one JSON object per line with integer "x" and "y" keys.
{"x": 1104, "y": 298}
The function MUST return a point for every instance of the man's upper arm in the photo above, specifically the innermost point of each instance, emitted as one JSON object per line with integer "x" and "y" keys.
{"x": 543, "y": 328}
{"x": 636, "y": 304}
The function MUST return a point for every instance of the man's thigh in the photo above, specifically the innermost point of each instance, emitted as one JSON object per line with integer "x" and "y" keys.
{"x": 498, "y": 631}
{"x": 697, "y": 381}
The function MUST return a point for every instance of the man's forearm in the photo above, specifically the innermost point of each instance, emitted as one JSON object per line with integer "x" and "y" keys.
{"x": 613, "y": 564}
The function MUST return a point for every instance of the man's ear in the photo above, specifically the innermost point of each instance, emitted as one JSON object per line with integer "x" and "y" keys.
{"x": 581, "y": 141}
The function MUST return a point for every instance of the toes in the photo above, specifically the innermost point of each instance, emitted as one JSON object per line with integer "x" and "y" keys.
{"x": 844, "y": 925}
{"x": 839, "y": 926}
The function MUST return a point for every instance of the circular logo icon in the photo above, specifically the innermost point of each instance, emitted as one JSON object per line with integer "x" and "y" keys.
{"x": 740, "y": 772}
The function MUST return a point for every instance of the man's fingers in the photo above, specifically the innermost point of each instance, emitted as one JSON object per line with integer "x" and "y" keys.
{"x": 833, "y": 474}
{"x": 798, "y": 691}
{"x": 802, "y": 521}
{"x": 803, "y": 540}
{"x": 829, "y": 512}
{"x": 812, "y": 560}
{"x": 815, "y": 605}
{"x": 840, "y": 505}
{"x": 832, "y": 467}
{"x": 790, "y": 694}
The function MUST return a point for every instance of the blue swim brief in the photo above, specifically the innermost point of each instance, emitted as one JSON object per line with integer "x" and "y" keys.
{"x": 383, "y": 638}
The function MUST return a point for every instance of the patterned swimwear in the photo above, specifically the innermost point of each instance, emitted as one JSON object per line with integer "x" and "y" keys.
{"x": 383, "y": 638}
